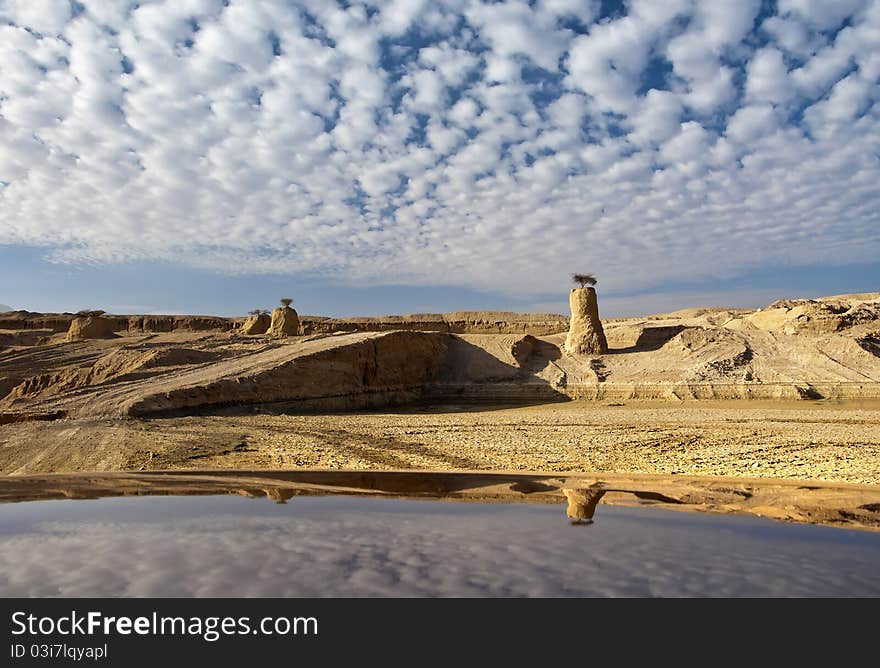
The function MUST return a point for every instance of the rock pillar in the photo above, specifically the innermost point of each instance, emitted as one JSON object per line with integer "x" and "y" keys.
{"x": 585, "y": 333}
{"x": 285, "y": 322}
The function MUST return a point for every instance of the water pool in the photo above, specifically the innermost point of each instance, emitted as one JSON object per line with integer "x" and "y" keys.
{"x": 361, "y": 546}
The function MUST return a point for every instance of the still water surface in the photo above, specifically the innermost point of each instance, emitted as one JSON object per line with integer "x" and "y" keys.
{"x": 349, "y": 546}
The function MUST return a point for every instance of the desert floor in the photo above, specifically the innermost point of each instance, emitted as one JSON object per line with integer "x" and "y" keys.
{"x": 807, "y": 440}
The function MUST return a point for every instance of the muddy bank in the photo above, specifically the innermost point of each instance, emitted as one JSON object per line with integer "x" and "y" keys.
{"x": 853, "y": 506}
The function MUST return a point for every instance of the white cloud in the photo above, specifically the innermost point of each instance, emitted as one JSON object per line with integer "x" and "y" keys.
{"x": 513, "y": 28}
{"x": 398, "y": 15}
{"x": 48, "y": 17}
{"x": 726, "y": 22}
{"x": 584, "y": 10}
{"x": 606, "y": 63}
{"x": 768, "y": 77}
{"x": 309, "y": 138}
{"x": 428, "y": 91}
{"x": 442, "y": 138}
{"x": 821, "y": 13}
{"x": 716, "y": 27}
{"x": 464, "y": 111}
{"x": 687, "y": 146}
{"x": 452, "y": 64}
{"x": 792, "y": 35}
{"x": 750, "y": 123}
{"x": 849, "y": 98}
{"x": 658, "y": 117}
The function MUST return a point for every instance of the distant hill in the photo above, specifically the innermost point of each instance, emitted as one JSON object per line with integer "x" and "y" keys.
{"x": 4, "y": 308}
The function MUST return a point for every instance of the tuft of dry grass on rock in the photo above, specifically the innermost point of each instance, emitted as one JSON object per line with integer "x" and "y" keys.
{"x": 584, "y": 279}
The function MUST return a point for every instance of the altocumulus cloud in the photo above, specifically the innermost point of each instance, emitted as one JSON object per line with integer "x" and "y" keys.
{"x": 482, "y": 144}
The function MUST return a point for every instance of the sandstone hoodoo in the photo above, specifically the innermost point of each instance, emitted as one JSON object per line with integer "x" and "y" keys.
{"x": 285, "y": 321}
{"x": 585, "y": 333}
{"x": 90, "y": 325}
{"x": 258, "y": 322}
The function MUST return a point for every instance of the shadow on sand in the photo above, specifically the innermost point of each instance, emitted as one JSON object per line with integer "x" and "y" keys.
{"x": 650, "y": 338}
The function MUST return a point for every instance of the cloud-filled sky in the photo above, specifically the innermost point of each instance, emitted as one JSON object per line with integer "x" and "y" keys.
{"x": 231, "y": 546}
{"x": 490, "y": 148}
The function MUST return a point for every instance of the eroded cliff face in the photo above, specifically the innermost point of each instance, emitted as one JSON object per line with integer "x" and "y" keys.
{"x": 90, "y": 327}
{"x": 336, "y": 372}
{"x": 456, "y": 322}
{"x": 120, "y": 324}
{"x": 371, "y": 371}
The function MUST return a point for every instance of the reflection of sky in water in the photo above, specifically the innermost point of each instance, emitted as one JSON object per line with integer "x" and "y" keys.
{"x": 338, "y": 546}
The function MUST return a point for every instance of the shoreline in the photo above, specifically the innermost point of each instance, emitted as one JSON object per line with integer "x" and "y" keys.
{"x": 832, "y": 504}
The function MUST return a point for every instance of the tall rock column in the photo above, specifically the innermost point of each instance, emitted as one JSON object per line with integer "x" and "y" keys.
{"x": 585, "y": 333}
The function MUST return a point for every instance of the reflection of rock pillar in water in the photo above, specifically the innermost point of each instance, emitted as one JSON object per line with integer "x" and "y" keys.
{"x": 582, "y": 502}
{"x": 281, "y": 496}
{"x": 585, "y": 333}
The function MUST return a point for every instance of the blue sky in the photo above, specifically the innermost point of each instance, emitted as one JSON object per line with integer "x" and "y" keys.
{"x": 387, "y": 157}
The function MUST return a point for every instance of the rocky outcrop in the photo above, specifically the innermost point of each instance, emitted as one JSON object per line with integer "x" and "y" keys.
{"x": 585, "y": 333}
{"x": 523, "y": 348}
{"x": 340, "y": 372}
{"x": 46, "y": 384}
{"x": 23, "y": 320}
{"x": 91, "y": 327}
{"x": 257, "y": 323}
{"x": 133, "y": 324}
{"x": 815, "y": 316}
{"x": 357, "y": 371}
{"x": 24, "y": 337}
{"x": 121, "y": 364}
{"x": 285, "y": 322}
{"x": 129, "y": 363}
{"x": 871, "y": 343}
{"x": 138, "y": 324}
{"x": 662, "y": 357}
{"x": 639, "y": 336}
{"x": 455, "y": 322}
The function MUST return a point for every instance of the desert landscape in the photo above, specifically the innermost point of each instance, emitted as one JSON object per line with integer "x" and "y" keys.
{"x": 451, "y": 299}
{"x": 787, "y": 392}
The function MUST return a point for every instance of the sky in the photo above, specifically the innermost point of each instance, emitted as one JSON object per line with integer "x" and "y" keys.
{"x": 212, "y": 156}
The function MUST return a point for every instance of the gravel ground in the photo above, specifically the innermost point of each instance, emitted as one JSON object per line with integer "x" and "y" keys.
{"x": 811, "y": 442}
{"x": 806, "y": 440}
